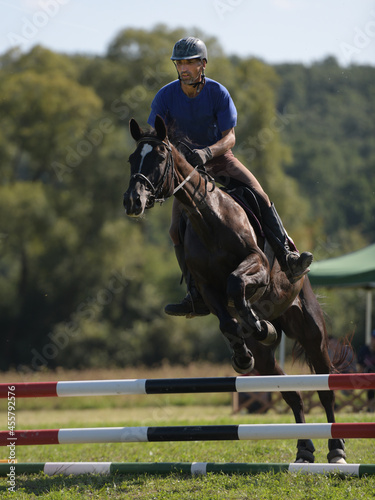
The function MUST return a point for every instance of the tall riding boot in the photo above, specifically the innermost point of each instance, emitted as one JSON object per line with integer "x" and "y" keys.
{"x": 193, "y": 304}
{"x": 292, "y": 263}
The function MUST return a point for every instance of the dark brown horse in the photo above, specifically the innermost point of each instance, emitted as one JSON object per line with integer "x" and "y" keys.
{"x": 252, "y": 299}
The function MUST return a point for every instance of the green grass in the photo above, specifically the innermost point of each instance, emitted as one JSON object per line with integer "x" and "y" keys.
{"x": 263, "y": 486}
{"x": 173, "y": 410}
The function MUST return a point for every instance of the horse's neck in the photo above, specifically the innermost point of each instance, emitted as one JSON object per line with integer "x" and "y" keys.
{"x": 190, "y": 185}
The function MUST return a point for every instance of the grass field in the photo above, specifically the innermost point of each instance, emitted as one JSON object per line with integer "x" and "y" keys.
{"x": 203, "y": 409}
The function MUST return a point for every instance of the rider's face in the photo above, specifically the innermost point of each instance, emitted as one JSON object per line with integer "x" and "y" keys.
{"x": 190, "y": 70}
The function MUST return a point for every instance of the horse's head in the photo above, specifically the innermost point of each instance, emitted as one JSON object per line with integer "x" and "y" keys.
{"x": 151, "y": 169}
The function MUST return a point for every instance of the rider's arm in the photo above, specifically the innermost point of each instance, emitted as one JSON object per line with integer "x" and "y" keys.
{"x": 201, "y": 156}
{"x": 227, "y": 142}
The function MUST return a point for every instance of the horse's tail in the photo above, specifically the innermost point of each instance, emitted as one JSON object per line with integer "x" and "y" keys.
{"x": 340, "y": 351}
{"x": 342, "y": 355}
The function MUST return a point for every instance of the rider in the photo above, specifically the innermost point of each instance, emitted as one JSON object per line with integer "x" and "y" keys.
{"x": 203, "y": 110}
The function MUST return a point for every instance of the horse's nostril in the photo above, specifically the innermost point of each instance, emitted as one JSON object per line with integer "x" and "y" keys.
{"x": 138, "y": 202}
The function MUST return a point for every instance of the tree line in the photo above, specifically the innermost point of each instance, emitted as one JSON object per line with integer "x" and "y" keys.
{"x": 81, "y": 285}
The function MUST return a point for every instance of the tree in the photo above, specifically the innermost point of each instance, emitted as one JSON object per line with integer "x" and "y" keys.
{"x": 47, "y": 116}
{"x": 81, "y": 284}
{"x": 331, "y": 138}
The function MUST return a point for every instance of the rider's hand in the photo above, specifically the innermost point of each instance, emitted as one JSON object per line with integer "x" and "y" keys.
{"x": 199, "y": 157}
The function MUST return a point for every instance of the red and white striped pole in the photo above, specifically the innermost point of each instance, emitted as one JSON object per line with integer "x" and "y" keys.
{"x": 188, "y": 433}
{"x": 191, "y": 385}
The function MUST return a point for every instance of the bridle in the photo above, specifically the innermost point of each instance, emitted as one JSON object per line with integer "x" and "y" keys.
{"x": 156, "y": 191}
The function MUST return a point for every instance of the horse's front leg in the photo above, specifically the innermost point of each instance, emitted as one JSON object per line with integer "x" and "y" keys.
{"x": 242, "y": 358}
{"x": 246, "y": 285}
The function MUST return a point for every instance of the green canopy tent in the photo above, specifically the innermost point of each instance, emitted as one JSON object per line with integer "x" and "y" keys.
{"x": 356, "y": 270}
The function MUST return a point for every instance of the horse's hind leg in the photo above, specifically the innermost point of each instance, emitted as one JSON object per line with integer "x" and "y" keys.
{"x": 266, "y": 364}
{"x": 306, "y": 324}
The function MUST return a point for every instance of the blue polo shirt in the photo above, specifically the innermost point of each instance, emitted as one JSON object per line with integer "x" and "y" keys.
{"x": 202, "y": 118}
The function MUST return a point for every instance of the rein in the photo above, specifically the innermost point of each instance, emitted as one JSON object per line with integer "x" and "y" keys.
{"x": 185, "y": 180}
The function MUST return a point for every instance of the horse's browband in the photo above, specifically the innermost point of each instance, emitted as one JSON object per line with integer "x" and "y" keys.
{"x": 152, "y": 138}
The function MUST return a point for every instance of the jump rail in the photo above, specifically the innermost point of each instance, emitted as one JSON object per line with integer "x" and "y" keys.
{"x": 194, "y": 468}
{"x": 190, "y": 385}
{"x": 187, "y": 433}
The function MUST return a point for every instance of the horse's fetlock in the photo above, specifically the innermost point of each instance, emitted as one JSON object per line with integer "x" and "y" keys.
{"x": 336, "y": 450}
{"x": 305, "y": 451}
{"x": 243, "y": 364}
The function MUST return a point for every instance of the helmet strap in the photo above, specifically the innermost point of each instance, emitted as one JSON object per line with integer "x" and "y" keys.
{"x": 201, "y": 81}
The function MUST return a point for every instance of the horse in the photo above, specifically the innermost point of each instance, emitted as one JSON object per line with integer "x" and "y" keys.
{"x": 250, "y": 295}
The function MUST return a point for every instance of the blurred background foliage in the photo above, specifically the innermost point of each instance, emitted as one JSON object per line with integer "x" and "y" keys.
{"x": 81, "y": 285}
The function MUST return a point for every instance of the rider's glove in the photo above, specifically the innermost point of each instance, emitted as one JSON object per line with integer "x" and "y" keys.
{"x": 199, "y": 157}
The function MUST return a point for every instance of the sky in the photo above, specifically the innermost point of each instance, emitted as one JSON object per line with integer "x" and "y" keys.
{"x": 276, "y": 31}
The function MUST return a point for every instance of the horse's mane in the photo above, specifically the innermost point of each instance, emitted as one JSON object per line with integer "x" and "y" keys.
{"x": 175, "y": 136}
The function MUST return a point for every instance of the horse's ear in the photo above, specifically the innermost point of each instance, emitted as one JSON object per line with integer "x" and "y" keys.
{"x": 135, "y": 130}
{"x": 161, "y": 129}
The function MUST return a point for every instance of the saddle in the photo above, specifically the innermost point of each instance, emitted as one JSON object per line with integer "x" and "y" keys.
{"x": 247, "y": 199}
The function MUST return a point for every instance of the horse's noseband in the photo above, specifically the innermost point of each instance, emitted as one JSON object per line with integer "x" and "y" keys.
{"x": 144, "y": 178}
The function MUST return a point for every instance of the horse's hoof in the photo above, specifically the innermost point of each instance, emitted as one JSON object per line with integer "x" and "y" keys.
{"x": 244, "y": 367}
{"x": 338, "y": 460}
{"x": 305, "y": 452}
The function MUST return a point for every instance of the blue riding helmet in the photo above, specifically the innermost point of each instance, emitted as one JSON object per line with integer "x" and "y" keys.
{"x": 189, "y": 48}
